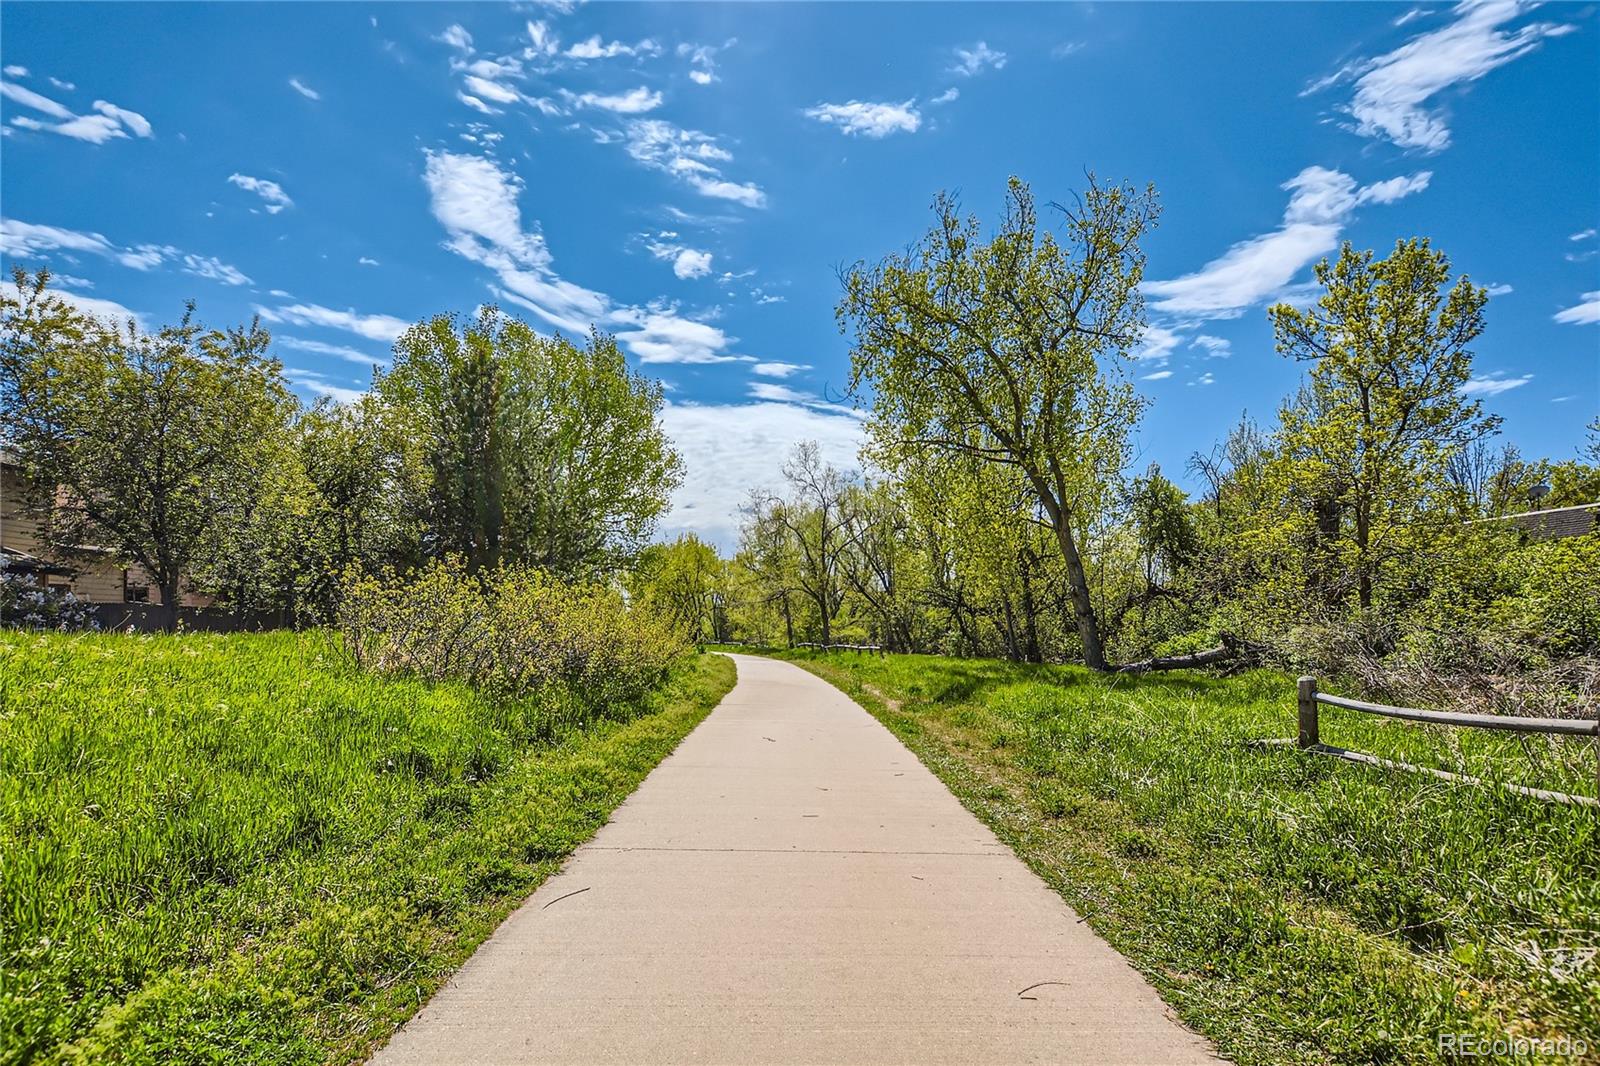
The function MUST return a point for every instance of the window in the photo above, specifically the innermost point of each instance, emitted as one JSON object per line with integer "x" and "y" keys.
{"x": 136, "y": 594}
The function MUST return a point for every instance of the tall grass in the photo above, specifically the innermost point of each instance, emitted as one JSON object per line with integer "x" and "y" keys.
{"x": 1293, "y": 907}
{"x": 243, "y": 848}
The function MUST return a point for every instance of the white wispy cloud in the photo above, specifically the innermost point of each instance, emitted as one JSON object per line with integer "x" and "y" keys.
{"x": 456, "y": 37}
{"x": 476, "y": 202}
{"x": 778, "y": 370}
{"x": 1157, "y": 343}
{"x": 304, "y": 90}
{"x": 107, "y": 311}
{"x": 26, "y": 240}
{"x": 372, "y": 327}
{"x": 728, "y": 449}
{"x": 633, "y": 102}
{"x": 367, "y": 261}
{"x": 869, "y": 120}
{"x": 975, "y": 60}
{"x": 1215, "y": 347}
{"x": 321, "y": 386}
{"x": 686, "y": 262}
{"x": 14, "y": 71}
{"x": 690, "y": 156}
{"x": 1392, "y": 91}
{"x": 1493, "y": 384}
{"x": 207, "y": 266}
{"x": 663, "y": 336}
{"x": 1321, "y": 202}
{"x": 1159, "y": 375}
{"x": 703, "y": 60}
{"x": 592, "y": 48}
{"x": 109, "y": 122}
{"x": 950, "y": 95}
{"x": 1583, "y": 313}
{"x": 1582, "y": 235}
{"x": 275, "y": 199}
{"x": 338, "y": 351}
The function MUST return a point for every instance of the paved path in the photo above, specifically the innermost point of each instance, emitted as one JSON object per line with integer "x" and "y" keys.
{"x": 792, "y": 886}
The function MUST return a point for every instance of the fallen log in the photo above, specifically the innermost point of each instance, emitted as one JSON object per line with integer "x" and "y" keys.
{"x": 1209, "y": 657}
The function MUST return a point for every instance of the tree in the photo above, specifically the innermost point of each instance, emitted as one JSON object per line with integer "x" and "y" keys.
{"x": 535, "y": 450}
{"x": 881, "y": 561}
{"x": 1390, "y": 346}
{"x": 151, "y": 445}
{"x": 812, "y": 522}
{"x": 1011, "y": 350}
{"x": 683, "y": 582}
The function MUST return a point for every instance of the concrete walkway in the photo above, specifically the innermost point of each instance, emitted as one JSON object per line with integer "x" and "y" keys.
{"x": 792, "y": 886}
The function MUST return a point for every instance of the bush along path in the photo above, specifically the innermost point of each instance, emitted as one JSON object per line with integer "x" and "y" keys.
{"x": 791, "y": 885}
{"x": 242, "y": 848}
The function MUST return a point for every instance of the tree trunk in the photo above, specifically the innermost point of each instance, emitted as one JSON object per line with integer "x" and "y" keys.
{"x": 1030, "y": 615}
{"x": 1094, "y": 654}
{"x": 169, "y": 602}
{"x": 1218, "y": 654}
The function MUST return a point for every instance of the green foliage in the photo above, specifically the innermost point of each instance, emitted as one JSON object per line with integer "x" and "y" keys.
{"x": 1555, "y": 602}
{"x": 515, "y": 631}
{"x": 683, "y": 583}
{"x": 530, "y": 450}
{"x": 1292, "y": 907}
{"x": 1365, "y": 445}
{"x": 165, "y": 442}
{"x": 1010, "y": 351}
{"x": 243, "y": 848}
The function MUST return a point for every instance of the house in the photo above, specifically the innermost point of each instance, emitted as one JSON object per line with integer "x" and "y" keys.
{"x": 92, "y": 574}
{"x": 1557, "y": 522}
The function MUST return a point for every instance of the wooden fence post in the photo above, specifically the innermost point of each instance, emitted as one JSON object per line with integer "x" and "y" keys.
{"x": 1308, "y": 713}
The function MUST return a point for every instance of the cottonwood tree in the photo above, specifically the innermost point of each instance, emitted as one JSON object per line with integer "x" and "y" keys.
{"x": 882, "y": 561}
{"x": 151, "y": 446}
{"x": 810, "y": 527}
{"x": 1011, "y": 350}
{"x": 684, "y": 582}
{"x": 1370, "y": 438}
{"x": 535, "y": 450}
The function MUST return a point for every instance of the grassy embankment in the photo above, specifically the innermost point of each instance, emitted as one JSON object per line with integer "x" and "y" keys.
{"x": 242, "y": 849}
{"x": 1293, "y": 907}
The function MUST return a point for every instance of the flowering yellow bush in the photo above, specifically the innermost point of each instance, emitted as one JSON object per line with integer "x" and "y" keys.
{"x": 516, "y": 630}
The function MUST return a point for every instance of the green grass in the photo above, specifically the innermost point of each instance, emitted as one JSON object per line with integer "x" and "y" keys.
{"x": 241, "y": 849}
{"x": 1295, "y": 908}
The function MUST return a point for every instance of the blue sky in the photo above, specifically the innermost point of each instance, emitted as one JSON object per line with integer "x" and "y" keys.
{"x": 692, "y": 177}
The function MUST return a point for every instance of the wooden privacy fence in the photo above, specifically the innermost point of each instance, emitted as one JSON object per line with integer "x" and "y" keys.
{"x": 1310, "y": 740}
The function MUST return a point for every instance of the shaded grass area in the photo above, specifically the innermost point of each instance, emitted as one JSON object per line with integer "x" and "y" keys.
{"x": 1294, "y": 908}
{"x": 239, "y": 848}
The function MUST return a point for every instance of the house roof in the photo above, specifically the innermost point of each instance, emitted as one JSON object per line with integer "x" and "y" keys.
{"x": 1557, "y": 522}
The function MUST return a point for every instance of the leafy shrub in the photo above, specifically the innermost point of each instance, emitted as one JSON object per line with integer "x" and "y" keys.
{"x": 23, "y": 603}
{"x": 515, "y": 630}
{"x": 1557, "y": 602}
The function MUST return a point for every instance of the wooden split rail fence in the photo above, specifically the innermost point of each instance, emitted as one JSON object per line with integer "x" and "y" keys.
{"x": 868, "y": 648}
{"x": 1311, "y": 740}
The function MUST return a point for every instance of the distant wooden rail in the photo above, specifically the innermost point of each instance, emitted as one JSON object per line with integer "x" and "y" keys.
{"x": 869, "y": 648}
{"x": 1310, "y": 737}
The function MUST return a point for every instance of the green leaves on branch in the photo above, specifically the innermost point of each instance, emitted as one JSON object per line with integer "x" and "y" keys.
{"x": 529, "y": 450}
{"x": 1011, "y": 351}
